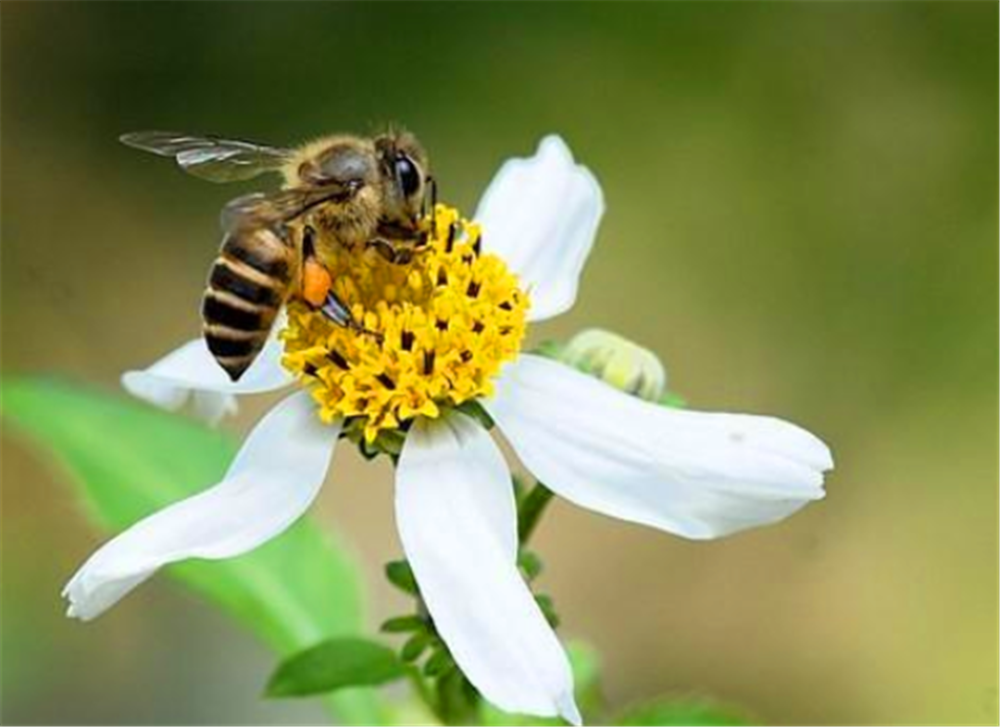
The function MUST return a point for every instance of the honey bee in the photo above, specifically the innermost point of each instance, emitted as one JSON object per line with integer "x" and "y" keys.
{"x": 341, "y": 193}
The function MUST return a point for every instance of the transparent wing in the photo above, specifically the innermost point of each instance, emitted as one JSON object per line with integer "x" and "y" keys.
{"x": 210, "y": 157}
{"x": 278, "y": 206}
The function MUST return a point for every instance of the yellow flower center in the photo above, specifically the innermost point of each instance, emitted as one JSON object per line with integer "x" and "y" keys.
{"x": 438, "y": 329}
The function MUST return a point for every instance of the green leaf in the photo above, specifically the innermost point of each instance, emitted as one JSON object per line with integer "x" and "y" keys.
{"x": 438, "y": 664}
{"x": 335, "y": 664}
{"x": 694, "y": 711}
{"x": 403, "y": 624}
{"x": 586, "y": 666}
{"x": 530, "y": 564}
{"x": 415, "y": 646}
{"x": 548, "y": 609}
{"x": 399, "y": 574}
{"x": 127, "y": 460}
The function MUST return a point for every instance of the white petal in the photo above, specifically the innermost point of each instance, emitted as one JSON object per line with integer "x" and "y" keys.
{"x": 541, "y": 215}
{"x": 272, "y": 481}
{"x": 458, "y": 523}
{"x": 695, "y": 474}
{"x": 212, "y": 407}
{"x": 170, "y": 382}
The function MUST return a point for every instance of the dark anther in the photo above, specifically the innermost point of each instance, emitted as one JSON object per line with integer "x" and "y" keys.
{"x": 506, "y": 305}
{"x": 309, "y": 370}
{"x": 478, "y": 327}
{"x": 339, "y": 360}
{"x": 452, "y": 231}
{"x": 428, "y": 362}
{"x": 467, "y": 259}
{"x": 442, "y": 277}
{"x": 441, "y": 325}
{"x": 386, "y": 381}
{"x": 473, "y": 290}
{"x": 477, "y": 246}
{"x": 504, "y": 330}
{"x": 406, "y": 340}
{"x": 466, "y": 356}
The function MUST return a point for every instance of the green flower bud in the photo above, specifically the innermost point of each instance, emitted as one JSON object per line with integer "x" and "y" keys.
{"x": 617, "y": 361}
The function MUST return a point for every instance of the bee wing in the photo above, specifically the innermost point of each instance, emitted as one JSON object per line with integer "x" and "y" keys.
{"x": 210, "y": 157}
{"x": 277, "y": 206}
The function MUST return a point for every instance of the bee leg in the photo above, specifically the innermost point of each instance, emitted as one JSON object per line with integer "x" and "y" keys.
{"x": 335, "y": 310}
{"x": 393, "y": 254}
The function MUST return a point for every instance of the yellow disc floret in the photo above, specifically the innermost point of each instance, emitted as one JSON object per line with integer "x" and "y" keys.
{"x": 438, "y": 329}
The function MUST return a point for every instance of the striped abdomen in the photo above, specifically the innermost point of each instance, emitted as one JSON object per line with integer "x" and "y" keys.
{"x": 248, "y": 283}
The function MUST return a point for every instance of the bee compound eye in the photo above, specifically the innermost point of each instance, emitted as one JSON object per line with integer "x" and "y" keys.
{"x": 407, "y": 174}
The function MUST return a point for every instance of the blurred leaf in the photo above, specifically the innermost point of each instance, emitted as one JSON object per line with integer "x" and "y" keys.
{"x": 692, "y": 711}
{"x": 128, "y": 460}
{"x": 586, "y": 666}
{"x": 399, "y": 574}
{"x": 335, "y": 664}
{"x": 673, "y": 400}
{"x": 549, "y": 349}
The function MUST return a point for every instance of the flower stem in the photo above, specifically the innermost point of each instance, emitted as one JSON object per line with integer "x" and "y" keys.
{"x": 420, "y": 686}
{"x": 530, "y": 513}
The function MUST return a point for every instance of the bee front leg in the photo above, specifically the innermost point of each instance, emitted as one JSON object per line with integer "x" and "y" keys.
{"x": 394, "y": 254}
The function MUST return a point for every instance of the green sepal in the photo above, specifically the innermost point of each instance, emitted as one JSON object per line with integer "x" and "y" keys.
{"x": 475, "y": 410}
{"x": 335, "y": 664}
{"x": 368, "y": 450}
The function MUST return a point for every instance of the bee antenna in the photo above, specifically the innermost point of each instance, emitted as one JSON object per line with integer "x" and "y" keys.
{"x": 432, "y": 183}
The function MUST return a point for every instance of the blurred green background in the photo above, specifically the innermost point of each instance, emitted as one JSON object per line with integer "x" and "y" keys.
{"x": 802, "y": 219}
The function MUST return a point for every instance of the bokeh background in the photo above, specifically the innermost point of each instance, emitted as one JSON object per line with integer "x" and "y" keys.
{"x": 802, "y": 219}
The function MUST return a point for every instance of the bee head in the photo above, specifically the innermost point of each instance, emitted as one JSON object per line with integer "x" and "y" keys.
{"x": 403, "y": 165}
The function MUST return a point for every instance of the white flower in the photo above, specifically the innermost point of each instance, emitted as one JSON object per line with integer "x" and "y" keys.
{"x": 698, "y": 475}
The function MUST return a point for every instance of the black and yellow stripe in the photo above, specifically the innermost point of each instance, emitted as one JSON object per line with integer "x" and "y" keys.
{"x": 246, "y": 287}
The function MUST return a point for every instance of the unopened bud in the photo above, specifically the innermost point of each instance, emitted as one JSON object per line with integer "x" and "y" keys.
{"x": 617, "y": 361}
